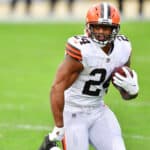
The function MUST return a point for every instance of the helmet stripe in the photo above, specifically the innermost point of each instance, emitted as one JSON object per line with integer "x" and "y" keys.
{"x": 102, "y": 10}
{"x": 109, "y": 12}
{"x": 105, "y": 11}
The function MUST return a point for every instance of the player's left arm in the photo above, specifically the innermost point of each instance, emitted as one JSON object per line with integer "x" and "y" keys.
{"x": 131, "y": 84}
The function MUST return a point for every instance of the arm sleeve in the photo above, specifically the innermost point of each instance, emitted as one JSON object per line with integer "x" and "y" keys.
{"x": 73, "y": 49}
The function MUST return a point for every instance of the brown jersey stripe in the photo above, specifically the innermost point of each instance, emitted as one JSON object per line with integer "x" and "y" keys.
{"x": 73, "y": 55}
{"x": 74, "y": 52}
{"x": 64, "y": 145}
{"x": 69, "y": 50}
{"x": 73, "y": 49}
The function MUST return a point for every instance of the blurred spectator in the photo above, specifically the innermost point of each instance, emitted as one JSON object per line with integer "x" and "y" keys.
{"x": 140, "y": 8}
{"x": 140, "y": 11}
{"x": 69, "y": 5}
{"x": 28, "y": 5}
{"x": 120, "y": 3}
{"x": 52, "y": 5}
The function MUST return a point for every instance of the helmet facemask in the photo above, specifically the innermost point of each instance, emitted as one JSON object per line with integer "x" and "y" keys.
{"x": 100, "y": 38}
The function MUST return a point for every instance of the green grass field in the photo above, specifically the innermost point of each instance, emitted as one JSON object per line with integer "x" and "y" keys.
{"x": 29, "y": 56}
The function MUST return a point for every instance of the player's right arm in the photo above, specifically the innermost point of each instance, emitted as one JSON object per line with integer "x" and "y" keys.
{"x": 66, "y": 75}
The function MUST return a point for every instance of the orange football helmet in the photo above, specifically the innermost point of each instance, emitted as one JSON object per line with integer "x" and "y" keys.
{"x": 103, "y": 14}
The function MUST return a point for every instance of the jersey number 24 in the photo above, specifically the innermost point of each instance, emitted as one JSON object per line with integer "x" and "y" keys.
{"x": 87, "y": 87}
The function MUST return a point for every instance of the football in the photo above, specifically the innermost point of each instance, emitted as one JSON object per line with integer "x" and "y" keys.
{"x": 121, "y": 71}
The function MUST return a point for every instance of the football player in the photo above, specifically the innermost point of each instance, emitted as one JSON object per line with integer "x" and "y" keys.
{"x": 82, "y": 80}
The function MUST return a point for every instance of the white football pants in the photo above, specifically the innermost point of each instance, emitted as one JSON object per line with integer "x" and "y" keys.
{"x": 98, "y": 127}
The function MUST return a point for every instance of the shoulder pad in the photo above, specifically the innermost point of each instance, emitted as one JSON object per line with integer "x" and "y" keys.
{"x": 122, "y": 37}
{"x": 79, "y": 40}
{"x": 75, "y": 45}
{"x": 124, "y": 41}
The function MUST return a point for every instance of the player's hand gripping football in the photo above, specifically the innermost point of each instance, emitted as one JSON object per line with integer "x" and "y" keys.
{"x": 128, "y": 83}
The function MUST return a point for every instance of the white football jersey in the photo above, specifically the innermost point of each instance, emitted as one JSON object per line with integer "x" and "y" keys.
{"x": 93, "y": 81}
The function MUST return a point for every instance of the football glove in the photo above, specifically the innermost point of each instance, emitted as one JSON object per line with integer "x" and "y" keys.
{"x": 128, "y": 83}
{"x": 47, "y": 144}
{"x": 57, "y": 134}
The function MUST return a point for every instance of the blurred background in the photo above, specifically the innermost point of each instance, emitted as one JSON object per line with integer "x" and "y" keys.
{"x": 48, "y": 10}
{"x": 33, "y": 34}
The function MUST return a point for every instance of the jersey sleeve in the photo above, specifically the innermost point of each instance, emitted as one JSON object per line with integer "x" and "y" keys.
{"x": 125, "y": 43}
{"x": 128, "y": 47}
{"x": 73, "y": 49}
{"x": 125, "y": 47}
